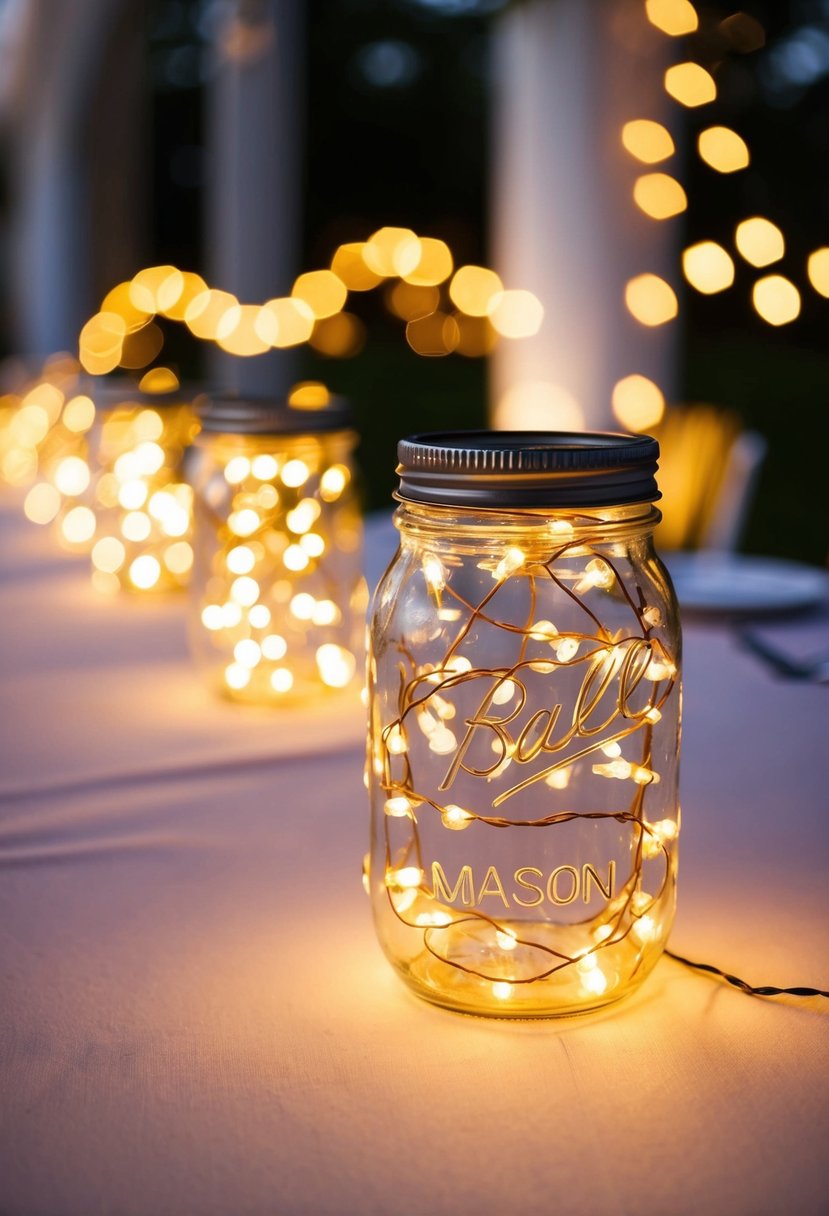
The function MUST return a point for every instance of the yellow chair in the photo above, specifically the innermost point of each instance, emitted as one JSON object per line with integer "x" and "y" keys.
{"x": 708, "y": 471}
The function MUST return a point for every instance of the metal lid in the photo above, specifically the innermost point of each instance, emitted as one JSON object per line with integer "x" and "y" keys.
{"x": 528, "y": 468}
{"x": 271, "y": 416}
{"x": 109, "y": 392}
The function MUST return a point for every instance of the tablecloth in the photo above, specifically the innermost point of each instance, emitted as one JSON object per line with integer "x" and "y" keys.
{"x": 196, "y": 1018}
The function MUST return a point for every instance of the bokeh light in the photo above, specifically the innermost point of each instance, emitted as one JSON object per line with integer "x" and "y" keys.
{"x": 141, "y": 346}
{"x": 433, "y": 336}
{"x": 759, "y": 241}
{"x": 776, "y": 299}
{"x": 817, "y": 268}
{"x": 78, "y": 414}
{"x": 708, "y": 267}
{"x": 651, "y": 300}
{"x": 204, "y": 313}
{"x": 538, "y": 405}
{"x": 674, "y": 17}
{"x": 237, "y": 331}
{"x": 322, "y": 290}
{"x": 192, "y": 285}
{"x": 637, "y": 402}
{"x": 690, "y": 84}
{"x": 723, "y": 149}
{"x": 410, "y": 301}
{"x": 309, "y": 395}
{"x": 156, "y": 288}
{"x": 659, "y": 195}
{"x": 339, "y": 337}
{"x": 42, "y": 503}
{"x": 648, "y": 141}
{"x": 101, "y": 342}
{"x": 473, "y": 289}
{"x": 119, "y": 301}
{"x": 78, "y": 526}
{"x": 516, "y": 313}
{"x": 434, "y": 265}
{"x": 71, "y": 476}
{"x": 285, "y": 321}
{"x": 349, "y": 265}
{"x": 476, "y": 336}
{"x": 159, "y": 380}
{"x": 391, "y": 252}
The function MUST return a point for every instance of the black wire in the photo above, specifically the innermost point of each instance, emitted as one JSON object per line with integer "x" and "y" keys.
{"x": 765, "y": 990}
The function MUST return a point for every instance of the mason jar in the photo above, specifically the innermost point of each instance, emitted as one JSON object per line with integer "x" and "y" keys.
{"x": 141, "y": 537}
{"x": 524, "y": 705}
{"x": 278, "y": 597}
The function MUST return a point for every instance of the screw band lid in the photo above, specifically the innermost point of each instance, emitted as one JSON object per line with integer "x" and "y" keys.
{"x": 528, "y": 468}
{"x": 110, "y": 392}
{"x": 272, "y": 416}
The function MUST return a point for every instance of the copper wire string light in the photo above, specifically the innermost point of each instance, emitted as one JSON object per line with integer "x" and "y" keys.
{"x": 278, "y": 595}
{"x": 522, "y": 663}
{"x": 750, "y": 990}
{"x": 425, "y": 697}
{"x": 524, "y": 705}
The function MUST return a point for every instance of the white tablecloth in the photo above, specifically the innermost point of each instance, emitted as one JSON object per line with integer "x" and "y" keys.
{"x": 196, "y": 1017}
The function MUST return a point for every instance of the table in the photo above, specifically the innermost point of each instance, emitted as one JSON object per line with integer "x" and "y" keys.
{"x": 196, "y": 1017}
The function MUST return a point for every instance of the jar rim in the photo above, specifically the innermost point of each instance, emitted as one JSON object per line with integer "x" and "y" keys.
{"x": 248, "y": 415}
{"x": 528, "y": 468}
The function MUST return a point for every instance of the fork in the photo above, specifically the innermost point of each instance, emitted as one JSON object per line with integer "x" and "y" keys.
{"x": 812, "y": 671}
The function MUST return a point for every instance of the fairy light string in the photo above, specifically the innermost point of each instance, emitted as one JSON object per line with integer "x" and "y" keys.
{"x": 749, "y": 989}
{"x": 424, "y": 702}
{"x": 274, "y": 599}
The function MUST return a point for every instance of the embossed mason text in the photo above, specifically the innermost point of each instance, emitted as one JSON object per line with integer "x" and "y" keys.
{"x": 528, "y": 886}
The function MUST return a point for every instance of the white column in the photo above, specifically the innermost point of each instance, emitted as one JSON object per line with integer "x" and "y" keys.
{"x": 568, "y": 75}
{"x": 255, "y": 107}
{"x": 60, "y": 51}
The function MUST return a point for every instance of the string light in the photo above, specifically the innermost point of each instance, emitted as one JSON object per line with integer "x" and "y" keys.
{"x": 475, "y": 289}
{"x": 723, "y": 149}
{"x": 673, "y": 17}
{"x": 648, "y": 141}
{"x": 266, "y": 596}
{"x": 759, "y": 241}
{"x": 637, "y": 402}
{"x": 776, "y": 299}
{"x": 659, "y": 195}
{"x": 708, "y": 267}
{"x": 818, "y": 271}
{"x": 323, "y": 292}
{"x": 650, "y": 300}
{"x": 690, "y": 84}
{"x": 390, "y": 251}
{"x": 627, "y": 930}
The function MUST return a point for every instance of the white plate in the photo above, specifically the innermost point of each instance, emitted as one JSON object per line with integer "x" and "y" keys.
{"x": 726, "y": 582}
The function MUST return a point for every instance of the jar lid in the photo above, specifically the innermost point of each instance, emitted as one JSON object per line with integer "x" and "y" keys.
{"x": 112, "y": 391}
{"x": 272, "y": 415}
{"x": 528, "y": 468}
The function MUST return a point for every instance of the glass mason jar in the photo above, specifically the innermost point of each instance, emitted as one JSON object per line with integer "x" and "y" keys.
{"x": 524, "y": 703}
{"x": 278, "y": 597}
{"x": 142, "y": 503}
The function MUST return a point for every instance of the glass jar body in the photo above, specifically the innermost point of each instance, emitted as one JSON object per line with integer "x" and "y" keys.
{"x": 278, "y": 597}
{"x": 138, "y": 491}
{"x": 523, "y": 757}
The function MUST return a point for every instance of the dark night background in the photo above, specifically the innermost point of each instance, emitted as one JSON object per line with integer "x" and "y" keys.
{"x": 396, "y": 132}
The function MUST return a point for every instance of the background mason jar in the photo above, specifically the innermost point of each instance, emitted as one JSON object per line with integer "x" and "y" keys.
{"x": 278, "y": 598}
{"x": 524, "y": 725}
{"x": 138, "y": 488}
